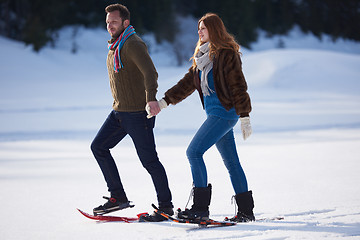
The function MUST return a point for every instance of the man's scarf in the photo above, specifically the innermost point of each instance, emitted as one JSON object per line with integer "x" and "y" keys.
{"x": 119, "y": 42}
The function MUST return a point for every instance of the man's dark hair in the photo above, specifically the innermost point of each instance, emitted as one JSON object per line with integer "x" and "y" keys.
{"x": 124, "y": 12}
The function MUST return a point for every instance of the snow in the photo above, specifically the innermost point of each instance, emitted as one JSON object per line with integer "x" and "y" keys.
{"x": 302, "y": 160}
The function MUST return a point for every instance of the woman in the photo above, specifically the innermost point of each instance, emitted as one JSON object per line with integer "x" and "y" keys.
{"x": 216, "y": 73}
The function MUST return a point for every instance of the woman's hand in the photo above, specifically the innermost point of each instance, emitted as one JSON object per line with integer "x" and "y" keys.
{"x": 245, "y": 127}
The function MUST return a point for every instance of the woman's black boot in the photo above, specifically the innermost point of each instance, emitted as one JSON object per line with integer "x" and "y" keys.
{"x": 200, "y": 209}
{"x": 245, "y": 203}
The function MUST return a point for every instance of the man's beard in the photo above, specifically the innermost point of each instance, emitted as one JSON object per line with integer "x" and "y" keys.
{"x": 118, "y": 33}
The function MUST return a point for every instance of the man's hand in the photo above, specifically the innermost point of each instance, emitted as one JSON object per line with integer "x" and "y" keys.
{"x": 153, "y": 108}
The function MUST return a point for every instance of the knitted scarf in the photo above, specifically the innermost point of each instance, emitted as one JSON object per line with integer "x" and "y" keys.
{"x": 118, "y": 43}
{"x": 204, "y": 64}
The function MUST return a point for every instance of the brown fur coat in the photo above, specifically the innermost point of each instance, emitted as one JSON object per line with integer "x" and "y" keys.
{"x": 229, "y": 81}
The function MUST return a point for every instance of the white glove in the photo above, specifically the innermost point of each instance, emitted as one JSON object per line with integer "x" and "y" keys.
{"x": 245, "y": 127}
{"x": 162, "y": 104}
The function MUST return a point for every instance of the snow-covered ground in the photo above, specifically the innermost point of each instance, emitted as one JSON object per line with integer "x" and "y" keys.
{"x": 302, "y": 161}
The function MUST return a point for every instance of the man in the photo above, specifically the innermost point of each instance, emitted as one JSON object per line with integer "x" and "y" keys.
{"x": 133, "y": 82}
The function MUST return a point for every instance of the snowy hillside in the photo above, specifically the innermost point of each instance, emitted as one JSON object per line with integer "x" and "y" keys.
{"x": 302, "y": 161}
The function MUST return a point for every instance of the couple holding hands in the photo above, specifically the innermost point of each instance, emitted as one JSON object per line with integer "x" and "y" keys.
{"x": 216, "y": 73}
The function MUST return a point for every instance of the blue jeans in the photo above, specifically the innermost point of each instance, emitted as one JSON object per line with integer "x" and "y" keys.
{"x": 216, "y": 130}
{"x": 140, "y": 129}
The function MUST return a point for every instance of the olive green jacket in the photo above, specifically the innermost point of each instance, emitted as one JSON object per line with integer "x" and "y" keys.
{"x": 136, "y": 83}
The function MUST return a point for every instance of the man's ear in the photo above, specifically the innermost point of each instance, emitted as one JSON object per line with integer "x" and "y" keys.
{"x": 126, "y": 23}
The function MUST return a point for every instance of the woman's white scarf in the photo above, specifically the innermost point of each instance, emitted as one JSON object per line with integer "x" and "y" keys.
{"x": 204, "y": 64}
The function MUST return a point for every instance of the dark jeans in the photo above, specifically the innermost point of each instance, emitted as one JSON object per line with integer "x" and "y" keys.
{"x": 140, "y": 129}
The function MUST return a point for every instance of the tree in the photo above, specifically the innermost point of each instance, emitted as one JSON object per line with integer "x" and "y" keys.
{"x": 36, "y": 21}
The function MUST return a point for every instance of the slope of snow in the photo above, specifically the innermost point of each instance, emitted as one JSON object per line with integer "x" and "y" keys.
{"x": 54, "y": 90}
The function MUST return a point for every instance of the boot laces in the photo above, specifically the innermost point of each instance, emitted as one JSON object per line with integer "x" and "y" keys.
{"x": 190, "y": 196}
{"x": 233, "y": 201}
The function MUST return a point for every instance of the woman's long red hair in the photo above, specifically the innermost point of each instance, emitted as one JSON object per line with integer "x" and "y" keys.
{"x": 219, "y": 38}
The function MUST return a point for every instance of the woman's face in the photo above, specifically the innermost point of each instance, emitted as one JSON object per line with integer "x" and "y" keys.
{"x": 203, "y": 32}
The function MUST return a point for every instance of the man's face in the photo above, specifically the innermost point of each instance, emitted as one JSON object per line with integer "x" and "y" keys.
{"x": 114, "y": 24}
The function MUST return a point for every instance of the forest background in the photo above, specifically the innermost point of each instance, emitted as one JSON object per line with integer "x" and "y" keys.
{"x": 37, "y": 22}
